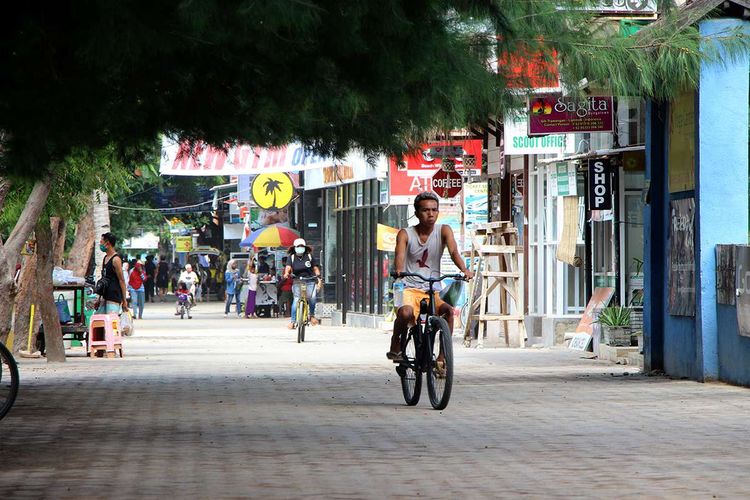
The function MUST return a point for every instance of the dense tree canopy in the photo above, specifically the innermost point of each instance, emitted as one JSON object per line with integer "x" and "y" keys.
{"x": 329, "y": 73}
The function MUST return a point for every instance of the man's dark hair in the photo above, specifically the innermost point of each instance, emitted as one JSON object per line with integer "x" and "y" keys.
{"x": 425, "y": 195}
{"x": 109, "y": 237}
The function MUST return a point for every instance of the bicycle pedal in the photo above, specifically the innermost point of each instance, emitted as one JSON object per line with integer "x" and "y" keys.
{"x": 401, "y": 370}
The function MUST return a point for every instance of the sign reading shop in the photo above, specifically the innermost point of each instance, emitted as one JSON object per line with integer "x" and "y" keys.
{"x": 555, "y": 114}
{"x": 600, "y": 184}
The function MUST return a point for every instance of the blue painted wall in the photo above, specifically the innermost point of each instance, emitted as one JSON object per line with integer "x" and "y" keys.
{"x": 722, "y": 180}
{"x": 707, "y": 346}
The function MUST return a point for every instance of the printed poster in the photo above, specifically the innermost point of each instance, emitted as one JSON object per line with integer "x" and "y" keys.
{"x": 682, "y": 257}
{"x": 681, "y": 164}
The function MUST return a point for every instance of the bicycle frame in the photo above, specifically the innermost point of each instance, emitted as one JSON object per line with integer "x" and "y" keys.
{"x": 422, "y": 331}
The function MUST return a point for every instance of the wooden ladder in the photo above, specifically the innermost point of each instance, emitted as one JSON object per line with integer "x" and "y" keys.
{"x": 494, "y": 260}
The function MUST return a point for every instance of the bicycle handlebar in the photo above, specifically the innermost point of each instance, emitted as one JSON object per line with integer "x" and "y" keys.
{"x": 427, "y": 279}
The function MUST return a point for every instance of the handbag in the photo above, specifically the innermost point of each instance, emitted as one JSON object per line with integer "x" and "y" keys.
{"x": 63, "y": 312}
{"x": 100, "y": 288}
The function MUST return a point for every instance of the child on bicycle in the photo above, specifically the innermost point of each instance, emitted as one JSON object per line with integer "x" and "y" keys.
{"x": 183, "y": 298}
{"x": 419, "y": 249}
{"x": 302, "y": 264}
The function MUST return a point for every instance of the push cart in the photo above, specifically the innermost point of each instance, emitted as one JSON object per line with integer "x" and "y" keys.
{"x": 266, "y": 300}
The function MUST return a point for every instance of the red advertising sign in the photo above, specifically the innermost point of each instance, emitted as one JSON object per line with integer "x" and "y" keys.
{"x": 555, "y": 114}
{"x": 465, "y": 155}
{"x": 447, "y": 183}
{"x": 526, "y": 68}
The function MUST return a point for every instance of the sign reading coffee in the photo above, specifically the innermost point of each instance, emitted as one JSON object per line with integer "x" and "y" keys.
{"x": 555, "y": 114}
{"x": 600, "y": 184}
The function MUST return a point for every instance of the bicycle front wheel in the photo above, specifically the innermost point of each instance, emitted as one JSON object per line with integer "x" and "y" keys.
{"x": 8, "y": 380}
{"x": 411, "y": 375}
{"x": 440, "y": 371}
{"x": 301, "y": 320}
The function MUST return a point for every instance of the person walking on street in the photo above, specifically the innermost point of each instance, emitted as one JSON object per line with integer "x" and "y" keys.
{"x": 112, "y": 295}
{"x": 174, "y": 274}
{"x": 233, "y": 286}
{"x": 136, "y": 284}
{"x": 162, "y": 278}
{"x": 150, "y": 281}
{"x": 419, "y": 249}
{"x": 252, "y": 287}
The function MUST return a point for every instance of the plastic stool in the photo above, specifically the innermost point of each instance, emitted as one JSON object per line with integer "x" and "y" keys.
{"x": 104, "y": 335}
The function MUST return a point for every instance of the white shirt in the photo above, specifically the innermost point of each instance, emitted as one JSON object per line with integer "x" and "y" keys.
{"x": 190, "y": 278}
{"x": 252, "y": 281}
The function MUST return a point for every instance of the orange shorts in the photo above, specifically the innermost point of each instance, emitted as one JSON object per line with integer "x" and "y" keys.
{"x": 413, "y": 296}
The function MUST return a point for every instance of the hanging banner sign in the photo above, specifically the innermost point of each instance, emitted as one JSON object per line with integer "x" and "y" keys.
{"x": 183, "y": 244}
{"x": 202, "y": 159}
{"x": 563, "y": 179}
{"x": 555, "y": 114}
{"x": 466, "y": 156}
{"x": 600, "y": 184}
{"x": 517, "y": 141}
{"x": 272, "y": 191}
{"x": 386, "y": 238}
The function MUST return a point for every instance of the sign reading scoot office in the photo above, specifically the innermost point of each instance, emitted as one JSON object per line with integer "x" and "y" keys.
{"x": 600, "y": 185}
{"x": 554, "y": 114}
{"x": 517, "y": 141}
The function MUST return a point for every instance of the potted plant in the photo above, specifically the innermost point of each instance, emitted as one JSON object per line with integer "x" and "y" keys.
{"x": 615, "y": 324}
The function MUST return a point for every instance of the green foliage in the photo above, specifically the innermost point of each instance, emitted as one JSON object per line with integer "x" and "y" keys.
{"x": 614, "y": 316}
{"x": 379, "y": 74}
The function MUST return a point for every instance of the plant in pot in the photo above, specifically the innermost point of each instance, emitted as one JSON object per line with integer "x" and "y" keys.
{"x": 615, "y": 324}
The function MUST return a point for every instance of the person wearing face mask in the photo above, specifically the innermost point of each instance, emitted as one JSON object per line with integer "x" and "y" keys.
{"x": 302, "y": 264}
{"x": 190, "y": 279}
{"x": 233, "y": 285}
{"x": 112, "y": 297}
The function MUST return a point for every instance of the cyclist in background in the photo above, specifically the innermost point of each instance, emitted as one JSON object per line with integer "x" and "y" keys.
{"x": 419, "y": 249}
{"x": 302, "y": 264}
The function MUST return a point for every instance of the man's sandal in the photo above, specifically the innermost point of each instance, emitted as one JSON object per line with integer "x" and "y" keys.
{"x": 396, "y": 357}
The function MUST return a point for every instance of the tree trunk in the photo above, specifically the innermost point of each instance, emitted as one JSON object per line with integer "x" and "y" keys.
{"x": 101, "y": 226}
{"x": 27, "y": 295}
{"x": 83, "y": 246}
{"x": 4, "y": 189}
{"x": 10, "y": 251}
{"x": 47, "y": 234}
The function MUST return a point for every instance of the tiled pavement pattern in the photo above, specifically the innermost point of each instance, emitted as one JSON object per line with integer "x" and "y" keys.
{"x": 227, "y": 407}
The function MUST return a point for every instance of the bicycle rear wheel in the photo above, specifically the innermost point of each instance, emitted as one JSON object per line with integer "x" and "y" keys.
{"x": 301, "y": 320}
{"x": 411, "y": 375}
{"x": 8, "y": 380}
{"x": 440, "y": 374}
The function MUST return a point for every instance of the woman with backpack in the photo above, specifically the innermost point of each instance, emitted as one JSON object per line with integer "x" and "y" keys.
{"x": 302, "y": 264}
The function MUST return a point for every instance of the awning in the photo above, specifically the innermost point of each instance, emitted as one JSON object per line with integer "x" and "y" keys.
{"x": 593, "y": 154}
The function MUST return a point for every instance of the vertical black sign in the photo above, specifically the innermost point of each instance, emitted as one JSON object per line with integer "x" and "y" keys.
{"x": 600, "y": 184}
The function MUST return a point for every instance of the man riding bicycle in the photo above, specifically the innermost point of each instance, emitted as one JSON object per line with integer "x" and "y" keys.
{"x": 419, "y": 249}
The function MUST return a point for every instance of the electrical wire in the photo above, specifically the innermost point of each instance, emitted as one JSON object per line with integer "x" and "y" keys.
{"x": 144, "y": 209}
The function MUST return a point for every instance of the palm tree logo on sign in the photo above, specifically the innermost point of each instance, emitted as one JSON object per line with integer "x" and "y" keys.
{"x": 272, "y": 191}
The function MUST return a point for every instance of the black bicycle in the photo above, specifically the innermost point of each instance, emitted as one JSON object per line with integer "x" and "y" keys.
{"x": 427, "y": 348}
{"x": 8, "y": 380}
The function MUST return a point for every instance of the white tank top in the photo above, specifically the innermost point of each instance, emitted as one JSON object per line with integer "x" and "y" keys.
{"x": 423, "y": 258}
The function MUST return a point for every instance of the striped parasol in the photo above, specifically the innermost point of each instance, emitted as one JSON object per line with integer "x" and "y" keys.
{"x": 271, "y": 236}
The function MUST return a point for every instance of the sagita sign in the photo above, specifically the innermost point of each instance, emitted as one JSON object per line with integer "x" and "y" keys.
{"x": 600, "y": 184}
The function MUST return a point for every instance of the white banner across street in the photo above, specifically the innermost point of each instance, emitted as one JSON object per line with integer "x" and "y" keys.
{"x": 178, "y": 159}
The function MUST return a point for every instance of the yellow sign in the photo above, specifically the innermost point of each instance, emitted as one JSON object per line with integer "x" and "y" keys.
{"x": 681, "y": 165}
{"x": 387, "y": 238}
{"x": 183, "y": 243}
{"x": 272, "y": 191}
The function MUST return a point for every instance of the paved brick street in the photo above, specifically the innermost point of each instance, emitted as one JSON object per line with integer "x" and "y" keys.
{"x": 217, "y": 407}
